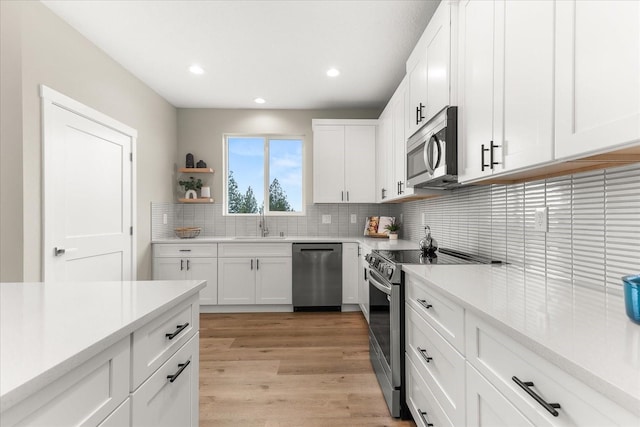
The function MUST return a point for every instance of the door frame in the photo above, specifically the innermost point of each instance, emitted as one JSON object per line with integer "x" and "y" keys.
{"x": 52, "y": 99}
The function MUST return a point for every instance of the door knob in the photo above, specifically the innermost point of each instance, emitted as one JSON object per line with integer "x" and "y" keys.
{"x": 58, "y": 251}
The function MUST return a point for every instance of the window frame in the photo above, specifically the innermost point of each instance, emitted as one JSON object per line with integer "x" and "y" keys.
{"x": 266, "y": 137}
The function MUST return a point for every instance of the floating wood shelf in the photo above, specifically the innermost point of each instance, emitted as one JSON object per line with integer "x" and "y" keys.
{"x": 200, "y": 200}
{"x": 196, "y": 170}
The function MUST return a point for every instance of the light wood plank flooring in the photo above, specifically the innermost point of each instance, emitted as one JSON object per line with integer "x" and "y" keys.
{"x": 288, "y": 369}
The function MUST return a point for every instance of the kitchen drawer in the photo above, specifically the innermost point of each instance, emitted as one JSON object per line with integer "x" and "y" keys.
{"x": 156, "y": 341}
{"x": 161, "y": 402}
{"x": 193, "y": 250}
{"x": 421, "y": 401}
{"x": 83, "y": 397}
{"x": 499, "y": 358}
{"x": 443, "y": 371}
{"x": 249, "y": 250}
{"x": 120, "y": 417}
{"x": 440, "y": 312}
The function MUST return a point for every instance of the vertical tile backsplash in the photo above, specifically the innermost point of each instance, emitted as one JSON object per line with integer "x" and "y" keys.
{"x": 594, "y": 224}
{"x": 592, "y": 240}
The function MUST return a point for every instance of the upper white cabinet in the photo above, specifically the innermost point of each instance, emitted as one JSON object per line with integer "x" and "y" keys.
{"x": 384, "y": 156}
{"x": 429, "y": 69}
{"x": 506, "y": 86}
{"x": 344, "y": 158}
{"x": 597, "y": 76}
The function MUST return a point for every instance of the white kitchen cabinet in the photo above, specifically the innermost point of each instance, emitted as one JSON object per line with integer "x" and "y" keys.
{"x": 430, "y": 68}
{"x": 170, "y": 396}
{"x": 597, "y": 76}
{"x": 363, "y": 277}
{"x": 385, "y": 155}
{"x": 505, "y": 124}
{"x": 188, "y": 262}
{"x": 120, "y": 417}
{"x": 350, "y": 268}
{"x": 263, "y": 275}
{"x": 344, "y": 157}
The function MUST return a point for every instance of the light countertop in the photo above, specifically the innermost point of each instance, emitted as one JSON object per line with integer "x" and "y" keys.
{"x": 47, "y": 329}
{"x": 370, "y": 242}
{"x": 583, "y": 331}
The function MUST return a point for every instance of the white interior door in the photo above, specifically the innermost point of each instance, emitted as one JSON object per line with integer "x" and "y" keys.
{"x": 88, "y": 210}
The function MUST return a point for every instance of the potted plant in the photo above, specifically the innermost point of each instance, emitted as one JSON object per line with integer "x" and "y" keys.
{"x": 191, "y": 186}
{"x": 393, "y": 228}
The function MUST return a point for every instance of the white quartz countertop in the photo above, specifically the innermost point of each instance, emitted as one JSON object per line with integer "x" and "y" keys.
{"x": 370, "y": 242}
{"x": 47, "y": 329}
{"x": 583, "y": 331}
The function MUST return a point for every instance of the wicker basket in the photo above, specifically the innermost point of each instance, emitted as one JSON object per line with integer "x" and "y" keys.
{"x": 187, "y": 232}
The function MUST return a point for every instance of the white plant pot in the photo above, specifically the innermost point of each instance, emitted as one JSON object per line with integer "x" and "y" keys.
{"x": 205, "y": 192}
{"x": 393, "y": 236}
{"x": 191, "y": 194}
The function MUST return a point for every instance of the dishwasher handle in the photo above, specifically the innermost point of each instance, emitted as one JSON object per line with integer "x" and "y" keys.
{"x": 317, "y": 250}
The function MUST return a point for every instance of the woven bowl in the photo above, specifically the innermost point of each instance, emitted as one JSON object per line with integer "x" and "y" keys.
{"x": 187, "y": 232}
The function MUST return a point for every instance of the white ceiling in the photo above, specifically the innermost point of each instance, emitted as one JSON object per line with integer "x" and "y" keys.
{"x": 277, "y": 50}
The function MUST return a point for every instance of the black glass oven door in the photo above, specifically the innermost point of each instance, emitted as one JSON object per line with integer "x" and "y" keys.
{"x": 380, "y": 315}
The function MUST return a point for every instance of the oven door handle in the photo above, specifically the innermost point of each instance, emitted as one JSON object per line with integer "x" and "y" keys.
{"x": 379, "y": 285}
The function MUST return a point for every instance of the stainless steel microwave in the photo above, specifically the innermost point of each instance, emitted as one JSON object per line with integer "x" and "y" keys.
{"x": 432, "y": 152}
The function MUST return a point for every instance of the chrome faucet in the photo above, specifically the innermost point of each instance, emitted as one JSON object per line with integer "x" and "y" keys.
{"x": 264, "y": 230}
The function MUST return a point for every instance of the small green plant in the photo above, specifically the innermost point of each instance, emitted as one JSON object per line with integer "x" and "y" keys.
{"x": 393, "y": 227}
{"x": 191, "y": 184}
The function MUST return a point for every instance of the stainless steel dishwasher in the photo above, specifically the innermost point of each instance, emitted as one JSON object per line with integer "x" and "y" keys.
{"x": 317, "y": 276}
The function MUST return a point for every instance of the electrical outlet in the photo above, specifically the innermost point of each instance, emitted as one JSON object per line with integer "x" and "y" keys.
{"x": 354, "y": 218}
{"x": 401, "y": 218}
{"x": 164, "y": 219}
{"x": 541, "y": 222}
{"x": 326, "y": 219}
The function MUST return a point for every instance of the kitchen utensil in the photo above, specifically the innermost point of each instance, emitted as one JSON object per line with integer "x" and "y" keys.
{"x": 632, "y": 296}
{"x": 187, "y": 232}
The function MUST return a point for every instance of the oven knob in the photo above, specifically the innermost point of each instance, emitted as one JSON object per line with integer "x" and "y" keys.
{"x": 389, "y": 272}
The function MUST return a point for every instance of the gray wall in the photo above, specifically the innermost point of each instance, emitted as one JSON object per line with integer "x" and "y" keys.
{"x": 52, "y": 53}
{"x": 200, "y": 132}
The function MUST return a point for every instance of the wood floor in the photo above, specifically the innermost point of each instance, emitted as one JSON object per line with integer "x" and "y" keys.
{"x": 288, "y": 369}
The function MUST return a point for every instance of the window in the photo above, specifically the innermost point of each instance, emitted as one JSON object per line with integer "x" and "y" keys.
{"x": 258, "y": 165}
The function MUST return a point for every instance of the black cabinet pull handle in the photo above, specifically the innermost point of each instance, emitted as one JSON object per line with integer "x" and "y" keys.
{"x": 418, "y": 115}
{"x": 551, "y": 407}
{"x": 252, "y": 264}
{"x": 185, "y": 250}
{"x": 177, "y": 331}
{"x": 181, "y": 264}
{"x": 482, "y": 154}
{"x": 423, "y": 353}
{"x": 492, "y": 147}
{"x": 257, "y": 264}
{"x": 188, "y": 266}
{"x": 423, "y": 415}
{"x": 401, "y": 190}
{"x": 342, "y": 196}
{"x": 182, "y": 367}
{"x": 424, "y": 303}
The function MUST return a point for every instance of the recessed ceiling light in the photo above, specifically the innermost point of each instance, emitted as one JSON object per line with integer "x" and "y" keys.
{"x": 259, "y": 101}
{"x": 333, "y": 72}
{"x": 196, "y": 69}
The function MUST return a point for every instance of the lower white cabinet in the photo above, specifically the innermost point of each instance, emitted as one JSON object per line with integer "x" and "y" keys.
{"x": 363, "y": 282}
{"x": 422, "y": 403}
{"x": 169, "y": 397}
{"x": 188, "y": 262}
{"x": 350, "y": 273}
{"x": 263, "y": 275}
{"x": 120, "y": 417}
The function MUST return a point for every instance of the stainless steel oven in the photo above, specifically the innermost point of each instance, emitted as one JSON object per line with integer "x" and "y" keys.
{"x": 386, "y": 337}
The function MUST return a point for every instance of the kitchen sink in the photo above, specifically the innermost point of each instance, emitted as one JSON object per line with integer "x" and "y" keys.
{"x": 259, "y": 238}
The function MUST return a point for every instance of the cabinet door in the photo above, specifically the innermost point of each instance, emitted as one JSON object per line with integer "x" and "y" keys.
{"x": 169, "y": 268}
{"x": 363, "y": 285}
{"x": 328, "y": 164}
{"x": 399, "y": 140}
{"x": 360, "y": 164}
{"x": 350, "y": 273}
{"x": 384, "y": 157}
{"x": 159, "y": 402}
{"x": 598, "y": 76}
{"x": 524, "y": 83}
{"x": 273, "y": 280}
{"x": 205, "y": 269}
{"x": 437, "y": 60}
{"x": 417, "y": 94}
{"x": 476, "y": 66}
{"x": 486, "y": 406}
{"x": 236, "y": 281}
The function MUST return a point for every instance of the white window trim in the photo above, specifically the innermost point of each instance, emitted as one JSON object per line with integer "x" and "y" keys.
{"x": 267, "y": 137}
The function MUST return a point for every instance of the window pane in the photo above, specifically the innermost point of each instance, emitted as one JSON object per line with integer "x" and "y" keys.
{"x": 246, "y": 174}
{"x": 285, "y": 175}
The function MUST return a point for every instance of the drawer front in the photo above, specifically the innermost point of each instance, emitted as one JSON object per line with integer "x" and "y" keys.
{"x": 185, "y": 250}
{"x": 83, "y": 397}
{"x": 421, "y": 401}
{"x": 499, "y": 358}
{"x": 156, "y": 341}
{"x": 250, "y": 250}
{"x": 441, "y": 313}
{"x": 159, "y": 402}
{"x": 120, "y": 417}
{"x": 438, "y": 363}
